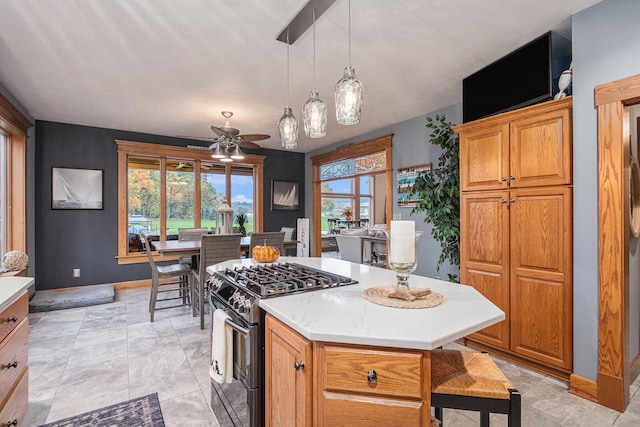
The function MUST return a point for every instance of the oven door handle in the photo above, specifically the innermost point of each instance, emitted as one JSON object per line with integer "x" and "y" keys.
{"x": 235, "y": 326}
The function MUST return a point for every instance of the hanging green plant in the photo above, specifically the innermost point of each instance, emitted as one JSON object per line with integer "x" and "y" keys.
{"x": 438, "y": 192}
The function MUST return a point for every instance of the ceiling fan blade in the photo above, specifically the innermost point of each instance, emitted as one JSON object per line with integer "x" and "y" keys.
{"x": 253, "y": 137}
{"x": 208, "y": 138}
{"x": 218, "y": 131}
{"x": 248, "y": 144}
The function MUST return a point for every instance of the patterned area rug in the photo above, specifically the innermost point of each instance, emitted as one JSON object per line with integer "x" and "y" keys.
{"x": 141, "y": 412}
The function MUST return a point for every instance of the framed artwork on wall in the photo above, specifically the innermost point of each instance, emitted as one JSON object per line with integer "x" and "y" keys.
{"x": 284, "y": 196}
{"x": 76, "y": 188}
{"x": 406, "y": 177}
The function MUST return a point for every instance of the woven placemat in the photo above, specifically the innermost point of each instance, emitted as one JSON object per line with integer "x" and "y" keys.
{"x": 378, "y": 295}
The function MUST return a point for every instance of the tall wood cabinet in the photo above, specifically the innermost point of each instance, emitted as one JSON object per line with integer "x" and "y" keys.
{"x": 516, "y": 239}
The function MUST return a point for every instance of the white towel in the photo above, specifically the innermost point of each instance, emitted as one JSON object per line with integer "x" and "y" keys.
{"x": 221, "y": 366}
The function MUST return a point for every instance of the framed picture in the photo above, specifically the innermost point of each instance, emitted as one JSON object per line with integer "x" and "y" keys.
{"x": 284, "y": 196}
{"x": 406, "y": 178}
{"x": 76, "y": 188}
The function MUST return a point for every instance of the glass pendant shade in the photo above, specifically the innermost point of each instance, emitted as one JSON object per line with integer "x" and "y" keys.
{"x": 348, "y": 98}
{"x": 314, "y": 115}
{"x": 226, "y": 159}
{"x": 288, "y": 127}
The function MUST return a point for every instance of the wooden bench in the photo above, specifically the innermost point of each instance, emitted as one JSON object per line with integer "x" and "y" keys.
{"x": 472, "y": 381}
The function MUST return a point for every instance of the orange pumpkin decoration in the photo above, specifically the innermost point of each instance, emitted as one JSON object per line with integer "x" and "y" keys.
{"x": 265, "y": 253}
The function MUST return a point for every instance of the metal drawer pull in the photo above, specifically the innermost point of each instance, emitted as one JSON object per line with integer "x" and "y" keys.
{"x": 503, "y": 201}
{"x": 12, "y": 365}
{"x": 372, "y": 377}
{"x": 503, "y": 179}
{"x": 12, "y": 423}
{"x": 12, "y": 319}
{"x": 298, "y": 365}
{"x": 512, "y": 200}
{"x": 512, "y": 178}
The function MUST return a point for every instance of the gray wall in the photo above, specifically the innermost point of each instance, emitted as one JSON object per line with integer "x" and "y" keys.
{"x": 31, "y": 251}
{"x": 410, "y": 148}
{"x": 85, "y": 239}
{"x": 605, "y": 48}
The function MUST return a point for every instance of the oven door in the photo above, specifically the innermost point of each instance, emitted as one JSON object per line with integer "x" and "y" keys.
{"x": 239, "y": 403}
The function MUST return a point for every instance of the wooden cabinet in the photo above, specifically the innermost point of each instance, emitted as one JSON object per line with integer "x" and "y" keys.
{"x": 370, "y": 386}
{"x": 14, "y": 383}
{"x": 342, "y": 384}
{"x": 288, "y": 376}
{"x": 516, "y": 239}
{"x": 530, "y": 147}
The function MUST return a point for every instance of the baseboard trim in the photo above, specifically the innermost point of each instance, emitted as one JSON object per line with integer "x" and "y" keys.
{"x": 133, "y": 284}
{"x": 583, "y": 387}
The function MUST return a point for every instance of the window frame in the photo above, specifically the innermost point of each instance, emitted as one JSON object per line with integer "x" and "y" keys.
{"x": 14, "y": 125}
{"x": 164, "y": 152}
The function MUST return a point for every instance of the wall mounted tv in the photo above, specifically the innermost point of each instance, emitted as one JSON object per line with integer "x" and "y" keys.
{"x": 524, "y": 77}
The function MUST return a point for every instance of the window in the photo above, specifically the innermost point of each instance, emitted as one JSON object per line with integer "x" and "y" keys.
{"x": 347, "y": 177}
{"x": 13, "y": 188}
{"x": 3, "y": 195}
{"x": 167, "y": 188}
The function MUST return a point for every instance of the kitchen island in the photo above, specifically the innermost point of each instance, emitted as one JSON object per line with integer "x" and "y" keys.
{"x": 335, "y": 358}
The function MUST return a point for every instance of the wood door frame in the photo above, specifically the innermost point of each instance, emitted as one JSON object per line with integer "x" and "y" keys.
{"x": 614, "y": 374}
{"x": 371, "y": 146}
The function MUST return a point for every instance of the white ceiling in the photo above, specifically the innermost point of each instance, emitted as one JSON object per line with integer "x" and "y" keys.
{"x": 170, "y": 67}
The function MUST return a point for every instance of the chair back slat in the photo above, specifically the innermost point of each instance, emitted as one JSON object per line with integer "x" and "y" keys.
{"x": 147, "y": 247}
{"x": 191, "y": 233}
{"x": 273, "y": 238}
{"x": 215, "y": 248}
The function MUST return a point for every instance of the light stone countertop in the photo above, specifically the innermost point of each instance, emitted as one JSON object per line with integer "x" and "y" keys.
{"x": 11, "y": 287}
{"x": 343, "y": 315}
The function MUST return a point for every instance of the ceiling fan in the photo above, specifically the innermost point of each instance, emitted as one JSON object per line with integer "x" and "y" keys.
{"x": 228, "y": 141}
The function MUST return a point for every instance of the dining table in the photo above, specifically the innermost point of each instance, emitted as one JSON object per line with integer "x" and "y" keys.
{"x": 192, "y": 247}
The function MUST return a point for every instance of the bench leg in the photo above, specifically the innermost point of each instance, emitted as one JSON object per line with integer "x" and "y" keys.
{"x": 484, "y": 419}
{"x": 439, "y": 414}
{"x": 514, "y": 418}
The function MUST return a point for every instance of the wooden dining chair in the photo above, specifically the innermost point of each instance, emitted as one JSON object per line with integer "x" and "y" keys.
{"x": 214, "y": 248}
{"x": 272, "y": 238}
{"x": 178, "y": 271}
{"x": 190, "y": 234}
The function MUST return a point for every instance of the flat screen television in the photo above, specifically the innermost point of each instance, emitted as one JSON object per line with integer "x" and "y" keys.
{"x": 524, "y": 77}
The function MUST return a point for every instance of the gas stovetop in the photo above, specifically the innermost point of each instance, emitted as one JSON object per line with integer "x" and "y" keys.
{"x": 272, "y": 280}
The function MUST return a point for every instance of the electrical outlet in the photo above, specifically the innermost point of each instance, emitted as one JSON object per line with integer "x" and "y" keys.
{"x": 397, "y": 217}
{"x": 76, "y": 272}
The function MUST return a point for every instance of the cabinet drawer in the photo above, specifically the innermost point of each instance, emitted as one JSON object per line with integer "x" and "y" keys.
{"x": 346, "y": 410}
{"x": 13, "y": 358}
{"x": 16, "y": 407}
{"x": 398, "y": 374}
{"x": 13, "y": 314}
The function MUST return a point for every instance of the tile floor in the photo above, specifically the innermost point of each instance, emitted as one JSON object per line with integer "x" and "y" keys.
{"x": 86, "y": 358}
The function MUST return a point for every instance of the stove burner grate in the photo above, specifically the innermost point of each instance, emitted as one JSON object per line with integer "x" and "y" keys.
{"x": 279, "y": 279}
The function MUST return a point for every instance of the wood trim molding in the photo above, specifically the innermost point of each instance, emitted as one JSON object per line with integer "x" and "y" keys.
{"x": 383, "y": 143}
{"x": 583, "y": 387}
{"x": 613, "y": 377}
{"x": 626, "y": 91}
{"x": 10, "y": 116}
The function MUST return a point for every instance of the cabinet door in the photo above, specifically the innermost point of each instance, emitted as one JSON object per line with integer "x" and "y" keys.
{"x": 484, "y": 255}
{"x": 288, "y": 387}
{"x": 541, "y": 275}
{"x": 540, "y": 149}
{"x": 484, "y": 158}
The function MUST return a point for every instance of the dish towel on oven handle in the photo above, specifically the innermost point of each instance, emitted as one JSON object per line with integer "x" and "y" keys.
{"x": 221, "y": 366}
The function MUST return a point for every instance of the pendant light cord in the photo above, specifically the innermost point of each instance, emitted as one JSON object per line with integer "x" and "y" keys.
{"x": 287, "y": 68}
{"x": 349, "y": 33}
{"x": 314, "y": 48}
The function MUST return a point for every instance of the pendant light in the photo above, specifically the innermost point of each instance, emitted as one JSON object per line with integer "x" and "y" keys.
{"x": 348, "y": 92}
{"x": 288, "y": 124}
{"x": 314, "y": 111}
